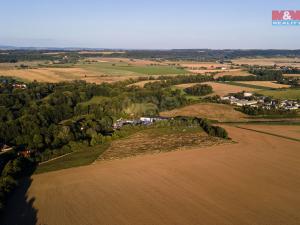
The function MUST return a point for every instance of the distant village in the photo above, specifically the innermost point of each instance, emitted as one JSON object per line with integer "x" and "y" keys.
{"x": 13, "y": 83}
{"x": 249, "y": 99}
{"x": 141, "y": 121}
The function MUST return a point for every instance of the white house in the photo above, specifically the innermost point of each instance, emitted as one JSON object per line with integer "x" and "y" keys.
{"x": 247, "y": 94}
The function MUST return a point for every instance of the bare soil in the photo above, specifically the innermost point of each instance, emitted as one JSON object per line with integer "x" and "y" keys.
{"x": 255, "y": 181}
{"x": 286, "y": 131}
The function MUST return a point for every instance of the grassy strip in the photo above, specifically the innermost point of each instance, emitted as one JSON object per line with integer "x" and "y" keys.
{"x": 290, "y": 93}
{"x": 270, "y": 122}
{"x": 248, "y": 85}
{"x": 275, "y": 116}
{"x": 82, "y": 155}
{"x": 120, "y": 68}
{"x": 263, "y": 132}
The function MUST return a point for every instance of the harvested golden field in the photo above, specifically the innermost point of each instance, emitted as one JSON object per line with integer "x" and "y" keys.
{"x": 286, "y": 131}
{"x": 142, "y": 83}
{"x": 255, "y": 181}
{"x": 8, "y": 66}
{"x": 223, "y": 89}
{"x": 100, "y": 52}
{"x": 206, "y": 65}
{"x": 45, "y": 74}
{"x": 137, "y": 62}
{"x": 280, "y": 61}
{"x": 53, "y": 53}
{"x": 207, "y": 71}
{"x": 269, "y": 84}
{"x": 213, "y": 111}
{"x": 235, "y": 72}
{"x": 62, "y": 74}
{"x": 182, "y": 86}
{"x": 220, "y": 89}
{"x": 159, "y": 140}
{"x": 291, "y": 75}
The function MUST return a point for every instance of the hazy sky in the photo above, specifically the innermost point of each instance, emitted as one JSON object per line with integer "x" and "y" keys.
{"x": 146, "y": 24}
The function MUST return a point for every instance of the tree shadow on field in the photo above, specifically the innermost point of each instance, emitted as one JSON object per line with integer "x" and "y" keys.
{"x": 19, "y": 209}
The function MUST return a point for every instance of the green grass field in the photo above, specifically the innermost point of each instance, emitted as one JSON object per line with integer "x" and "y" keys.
{"x": 189, "y": 97}
{"x": 82, "y": 155}
{"x": 93, "y": 101}
{"x": 132, "y": 70}
{"x": 290, "y": 93}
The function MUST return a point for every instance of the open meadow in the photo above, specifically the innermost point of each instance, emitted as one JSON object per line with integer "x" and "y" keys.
{"x": 221, "y": 89}
{"x": 94, "y": 70}
{"x": 233, "y": 72}
{"x": 260, "y": 61}
{"x": 141, "y": 84}
{"x": 268, "y": 84}
{"x": 212, "y": 111}
{"x": 292, "y": 75}
{"x": 282, "y": 93}
{"x": 255, "y": 181}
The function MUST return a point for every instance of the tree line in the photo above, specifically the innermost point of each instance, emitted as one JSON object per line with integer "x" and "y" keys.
{"x": 259, "y": 75}
{"x": 254, "y": 111}
{"x": 199, "y": 90}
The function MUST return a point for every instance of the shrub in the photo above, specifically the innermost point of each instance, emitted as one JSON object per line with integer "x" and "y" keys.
{"x": 199, "y": 89}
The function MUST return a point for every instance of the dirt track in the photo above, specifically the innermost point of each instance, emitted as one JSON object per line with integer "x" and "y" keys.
{"x": 255, "y": 181}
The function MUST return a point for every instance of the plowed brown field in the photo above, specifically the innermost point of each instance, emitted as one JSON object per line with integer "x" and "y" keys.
{"x": 253, "y": 182}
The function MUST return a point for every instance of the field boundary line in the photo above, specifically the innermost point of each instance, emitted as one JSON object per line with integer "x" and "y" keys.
{"x": 55, "y": 158}
{"x": 236, "y": 83}
{"x": 263, "y": 132}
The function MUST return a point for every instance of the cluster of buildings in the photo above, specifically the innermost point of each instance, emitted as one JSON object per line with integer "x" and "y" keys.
{"x": 141, "y": 121}
{"x": 241, "y": 101}
{"x": 21, "y": 151}
{"x": 19, "y": 86}
{"x": 4, "y": 148}
{"x": 290, "y": 105}
{"x": 248, "y": 99}
{"x": 13, "y": 83}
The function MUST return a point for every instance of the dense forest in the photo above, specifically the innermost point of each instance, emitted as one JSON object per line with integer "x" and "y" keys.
{"x": 255, "y": 111}
{"x": 22, "y": 54}
{"x": 199, "y": 90}
{"x": 50, "y": 115}
{"x": 14, "y": 56}
{"x": 260, "y": 75}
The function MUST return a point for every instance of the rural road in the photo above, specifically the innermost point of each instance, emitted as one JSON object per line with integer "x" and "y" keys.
{"x": 255, "y": 182}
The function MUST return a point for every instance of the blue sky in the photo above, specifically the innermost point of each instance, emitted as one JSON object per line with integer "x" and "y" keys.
{"x": 141, "y": 24}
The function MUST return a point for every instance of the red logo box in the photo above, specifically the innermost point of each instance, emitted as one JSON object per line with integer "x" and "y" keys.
{"x": 286, "y": 15}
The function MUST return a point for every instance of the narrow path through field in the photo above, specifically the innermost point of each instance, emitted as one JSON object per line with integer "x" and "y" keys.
{"x": 59, "y": 157}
